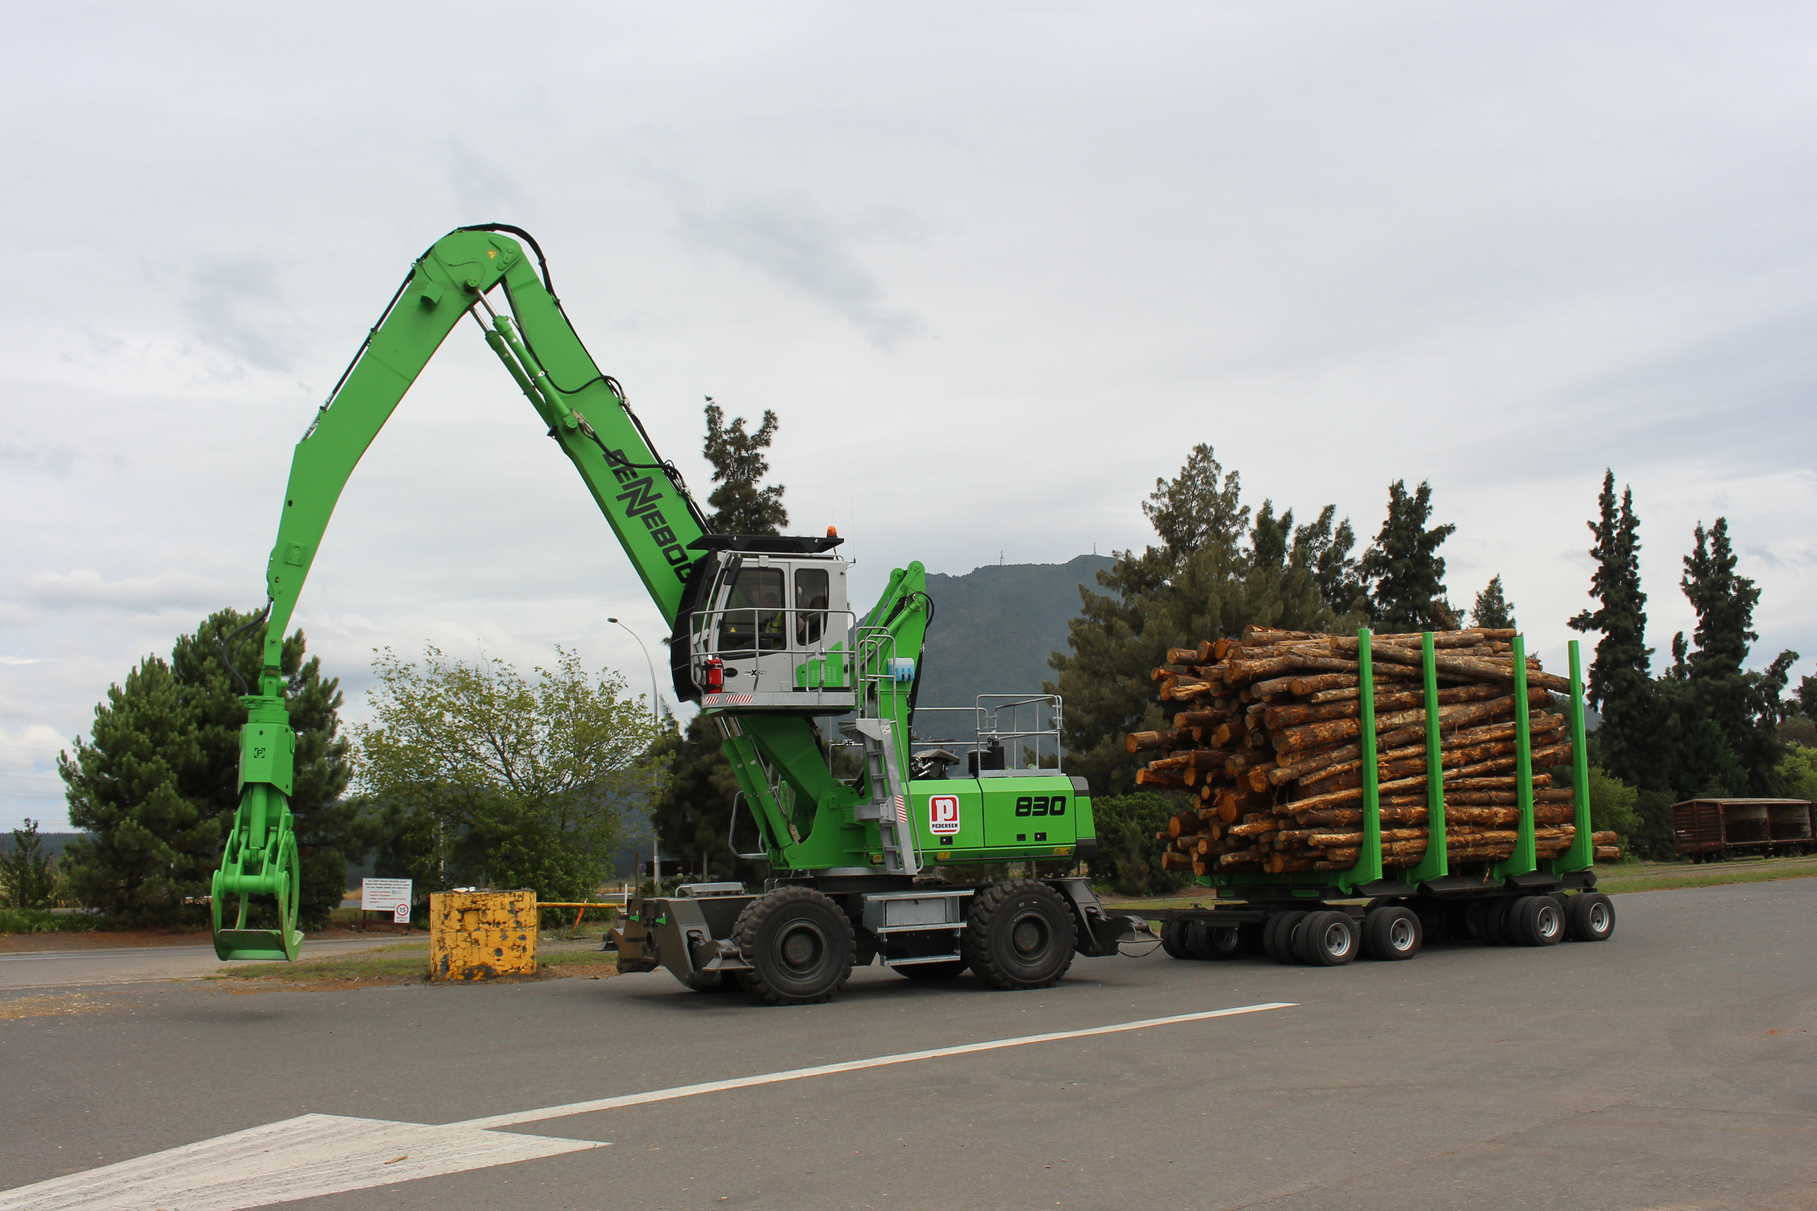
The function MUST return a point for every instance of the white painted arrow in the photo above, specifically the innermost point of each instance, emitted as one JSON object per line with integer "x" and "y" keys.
{"x": 299, "y": 1157}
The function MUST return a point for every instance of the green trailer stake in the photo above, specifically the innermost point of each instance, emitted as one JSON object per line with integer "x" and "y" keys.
{"x": 1388, "y": 911}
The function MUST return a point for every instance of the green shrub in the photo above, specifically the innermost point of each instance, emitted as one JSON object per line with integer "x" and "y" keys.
{"x": 1128, "y": 860}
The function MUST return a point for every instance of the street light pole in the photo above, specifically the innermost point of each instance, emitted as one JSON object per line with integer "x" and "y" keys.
{"x": 655, "y": 721}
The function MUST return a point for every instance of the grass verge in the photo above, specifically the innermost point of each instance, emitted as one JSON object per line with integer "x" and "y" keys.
{"x": 403, "y": 963}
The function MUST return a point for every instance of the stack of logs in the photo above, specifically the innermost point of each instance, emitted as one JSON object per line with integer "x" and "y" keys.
{"x": 1269, "y": 739}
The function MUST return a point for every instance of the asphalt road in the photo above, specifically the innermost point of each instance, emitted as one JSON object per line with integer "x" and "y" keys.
{"x": 1672, "y": 1067}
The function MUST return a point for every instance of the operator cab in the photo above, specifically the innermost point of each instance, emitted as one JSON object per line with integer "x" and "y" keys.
{"x": 765, "y": 625}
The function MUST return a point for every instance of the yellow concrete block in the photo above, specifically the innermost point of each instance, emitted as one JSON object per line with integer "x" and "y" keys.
{"x": 481, "y": 935}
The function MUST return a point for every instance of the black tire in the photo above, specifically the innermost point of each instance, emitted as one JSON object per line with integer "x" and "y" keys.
{"x": 1590, "y": 917}
{"x": 1436, "y": 921}
{"x": 1536, "y": 921}
{"x": 799, "y": 945}
{"x": 1325, "y": 939}
{"x": 1507, "y": 926}
{"x": 1487, "y": 920}
{"x": 1208, "y": 941}
{"x": 1277, "y": 941}
{"x": 1393, "y": 932}
{"x": 1173, "y": 938}
{"x": 1019, "y": 934}
{"x": 1249, "y": 937}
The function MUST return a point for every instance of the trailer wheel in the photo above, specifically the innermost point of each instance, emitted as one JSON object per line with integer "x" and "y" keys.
{"x": 1326, "y": 939}
{"x": 1173, "y": 938}
{"x": 1536, "y": 921}
{"x": 1590, "y": 917}
{"x": 1392, "y": 933}
{"x": 1249, "y": 937}
{"x": 1208, "y": 941}
{"x": 1018, "y": 934}
{"x": 1277, "y": 934}
{"x": 799, "y": 945}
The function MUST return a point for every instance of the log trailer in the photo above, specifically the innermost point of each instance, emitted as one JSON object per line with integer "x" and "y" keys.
{"x": 764, "y": 640}
{"x": 1386, "y": 906}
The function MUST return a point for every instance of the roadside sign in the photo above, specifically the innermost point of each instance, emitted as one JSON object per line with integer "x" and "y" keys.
{"x": 401, "y": 914}
{"x": 385, "y": 895}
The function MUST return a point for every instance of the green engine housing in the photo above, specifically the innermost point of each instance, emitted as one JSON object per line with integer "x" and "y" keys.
{"x": 1014, "y": 817}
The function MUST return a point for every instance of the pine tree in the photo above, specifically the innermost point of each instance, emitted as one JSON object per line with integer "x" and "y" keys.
{"x": 1620, "y": 683}
{"x": 690, "y": 816}
{"x": 157, "y": 782}
{"x": 1744, "y": 707}
{"x": 1492, "y": 607}
{"x": 742, "y": 503}
{"x": 25, "y": 875}
{"x": 1402, "y": 569}
{"x": 1212, "y": 573}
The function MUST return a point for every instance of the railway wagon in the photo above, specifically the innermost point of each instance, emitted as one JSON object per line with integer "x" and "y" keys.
{"x": 1710, "y": 830}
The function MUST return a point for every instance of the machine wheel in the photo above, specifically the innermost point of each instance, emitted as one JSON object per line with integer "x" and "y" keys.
{"x": 1536, "y": 921}
{"x": 799, "y": 945}
{"x": 1392, "y": 933}
{"x": 1590, "y": 917}
{"x": 1173, "y": 938}
{"x": 1018, "y": 934}
{"x": 1277, "y": 937}
{"x": 1207, "y": 941}
{"x": 1326, "y": 939}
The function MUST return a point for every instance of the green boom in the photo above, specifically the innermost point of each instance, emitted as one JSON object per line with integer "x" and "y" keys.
{"x": 805, "y": 820}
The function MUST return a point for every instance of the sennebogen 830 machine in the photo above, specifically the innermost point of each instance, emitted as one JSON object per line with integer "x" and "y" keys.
{"x": 865, "y": 864}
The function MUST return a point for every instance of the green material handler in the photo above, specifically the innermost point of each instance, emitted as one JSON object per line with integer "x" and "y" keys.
{"x": 763, "y": 639}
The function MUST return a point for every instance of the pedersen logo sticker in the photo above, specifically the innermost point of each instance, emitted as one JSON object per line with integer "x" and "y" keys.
{"x": 943, "y": 815}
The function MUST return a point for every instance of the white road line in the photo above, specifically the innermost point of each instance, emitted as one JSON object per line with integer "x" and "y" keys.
{"x": 303, "y": 1157}
{"x": 321, "y": 1154}
{"x": 521, "y": 1117}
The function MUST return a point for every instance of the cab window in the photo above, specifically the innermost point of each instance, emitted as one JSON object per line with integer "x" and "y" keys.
{"x": 752, "y": 617}
{"x": 810, "y": 604}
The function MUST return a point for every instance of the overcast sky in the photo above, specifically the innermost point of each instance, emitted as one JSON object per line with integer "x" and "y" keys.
{"x": 997, "y": 268}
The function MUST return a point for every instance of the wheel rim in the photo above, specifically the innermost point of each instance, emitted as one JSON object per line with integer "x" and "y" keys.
{"x": 1337, "y": 939}
{"x": 1549, "y": 922}
{"x": 1599, "y": 918}
{"x": 1028, "y": 936}
{"x": 1400, "y": 935}
{"x": 801, "y": 947}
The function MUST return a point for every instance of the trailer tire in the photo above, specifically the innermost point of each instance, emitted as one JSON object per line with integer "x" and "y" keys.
{"x": 1249, "y": 937}
{"x": 1590, "y": 917}
{"x": 1019, "y": 934}
{"x": 1277, "y": 938}
{"x": 1326, "y": 939}
{"x": 1392, "y": 932}
{"x": 1173, "y": 938}
{"x": 799, "y": 945}
{"x": 1536, "y": 921}
{"x": 1204, "y": 940}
